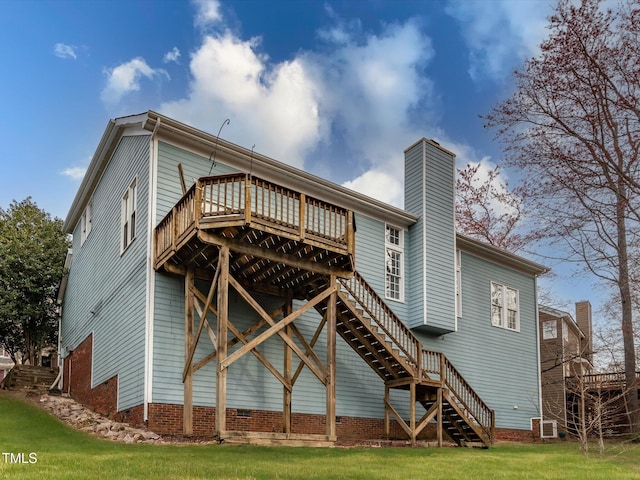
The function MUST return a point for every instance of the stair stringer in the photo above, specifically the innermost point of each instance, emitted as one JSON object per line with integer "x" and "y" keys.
{"x": 388, "y": 356}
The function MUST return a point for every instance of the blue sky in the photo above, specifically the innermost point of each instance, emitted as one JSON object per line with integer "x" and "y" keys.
{"x": 338, "y": 88}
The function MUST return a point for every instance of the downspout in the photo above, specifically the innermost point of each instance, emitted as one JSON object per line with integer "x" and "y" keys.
{"x": 150, "y": 296}
{"x": 539, "y": 366}
{"x": 59, "y": 376}
{"x": 60, "y": 301}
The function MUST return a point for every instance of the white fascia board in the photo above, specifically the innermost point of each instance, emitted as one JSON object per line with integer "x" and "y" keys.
{"x": 113, "y": 132}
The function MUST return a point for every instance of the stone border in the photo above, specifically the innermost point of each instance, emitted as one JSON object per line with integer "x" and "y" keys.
{"x": 81, "y": 418}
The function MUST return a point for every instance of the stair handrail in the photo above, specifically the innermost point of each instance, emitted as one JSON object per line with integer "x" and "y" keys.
{"x": 378, "y": 310}
{"x": 425, "y": 361}
{"x": 468, "y": 398}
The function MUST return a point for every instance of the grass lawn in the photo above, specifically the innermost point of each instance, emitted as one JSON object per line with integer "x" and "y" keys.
{"x": 63, "y": 453}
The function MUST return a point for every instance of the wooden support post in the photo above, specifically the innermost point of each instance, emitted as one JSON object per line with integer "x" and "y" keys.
{"x": 247, "y": 199}
{"x": 174, "y": 228}
{"x": 439, "y": 416}
{"x": 288, "y": 363}
{"x": 182, "y": 182}
{"x": 351, "y": 235}
{"x": 187, "y": 408}
{"x": 198, "y": 205}
{"x": 331, "y": 363}
{"x": 302, "y": 216}
{"x": 223, "y": 317}
{"x": 387, "y": 432}
{"x": 412, "y": 413}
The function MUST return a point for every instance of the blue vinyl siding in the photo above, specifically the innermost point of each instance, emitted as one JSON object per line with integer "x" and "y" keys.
{"x": 429, "y": 193}
{"x": 501, "y": 365}
{"x": 168, "y": 177}
{"x": 488, "y": 357}
{"x": 414, "y": 249}
{"x": 105, "y": 294}
{"x": 359, "y": 391}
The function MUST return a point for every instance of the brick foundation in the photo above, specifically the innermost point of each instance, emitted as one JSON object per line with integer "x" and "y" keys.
{"x": 513, "y": 435}
{"x": 166, "y": 419}
{"x": 103, "y": 398}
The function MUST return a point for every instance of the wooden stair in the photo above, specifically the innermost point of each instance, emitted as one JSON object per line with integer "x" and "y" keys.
{"x": 30, "y": 377}
{"x": 384, "y": 342}
{"x": 456, "y": 423}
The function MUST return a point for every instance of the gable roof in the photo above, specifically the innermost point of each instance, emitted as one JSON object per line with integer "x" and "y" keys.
{"x": 99, "y": 161}
{"x": 491, "y": 253}
{"x": 569, "y": 320}
{"x": 243, "y": 159}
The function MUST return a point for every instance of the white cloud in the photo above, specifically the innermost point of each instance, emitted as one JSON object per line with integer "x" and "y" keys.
{"x": 172, "y": 55}
{"x": 349, "y": 110}
{"x": 125, "y": 79}
{"x": 62, "y": 50}
{"x": 384, "y": 186}
{"x": 500, "y": 34}
{"x": 75, "y": 173}
{"x": 274, "y": 107}
{"x": 207, "y": 12}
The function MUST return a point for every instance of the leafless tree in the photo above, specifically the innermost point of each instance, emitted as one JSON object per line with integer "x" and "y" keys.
{"x": 489, "y": 210}
{"x": 573, "y": 126}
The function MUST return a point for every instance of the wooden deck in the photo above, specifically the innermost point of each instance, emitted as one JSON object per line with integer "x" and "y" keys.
{"x": 603, "y": 381}
{"x": 280, "y": 239}
{"x": 243, "y": 233}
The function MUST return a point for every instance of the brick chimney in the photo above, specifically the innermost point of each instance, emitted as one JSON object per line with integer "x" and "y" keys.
{"x": 583, "y": 319}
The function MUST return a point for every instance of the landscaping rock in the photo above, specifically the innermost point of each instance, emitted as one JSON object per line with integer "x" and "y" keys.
{"x": 80, "y": 417}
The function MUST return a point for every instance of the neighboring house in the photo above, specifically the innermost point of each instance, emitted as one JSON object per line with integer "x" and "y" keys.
{"x": 362, "y": 319}
{"x": 6, "y": 363}
{"x": 566, "y": 351}
{"x": 568, "y": 377}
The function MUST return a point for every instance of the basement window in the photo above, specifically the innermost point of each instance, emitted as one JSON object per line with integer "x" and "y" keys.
{"x": 549, "y": 429}
{"x": 243, "y": 413}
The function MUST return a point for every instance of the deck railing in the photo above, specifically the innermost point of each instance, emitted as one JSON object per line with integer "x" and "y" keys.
{"x": 610, "y": 380}
{"x": 427, "y": 363}
{"x": 467, "y": 398}
{"x": 224, "y": 198}
{"x": 377, "y": 309}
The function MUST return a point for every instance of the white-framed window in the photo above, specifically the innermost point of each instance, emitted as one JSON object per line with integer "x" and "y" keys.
{"x": 549, "y": 329}
{"x": 86, "y": 222}
{"x": 458, "y": 283}
{"x": 505, "y": 311}
{"x": 129, "y": 207}
{"x": 394, "y": 263}
{"x": 565, "y": 332}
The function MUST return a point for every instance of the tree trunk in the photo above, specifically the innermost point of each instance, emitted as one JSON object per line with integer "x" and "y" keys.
{"x": 627, "y": 319}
